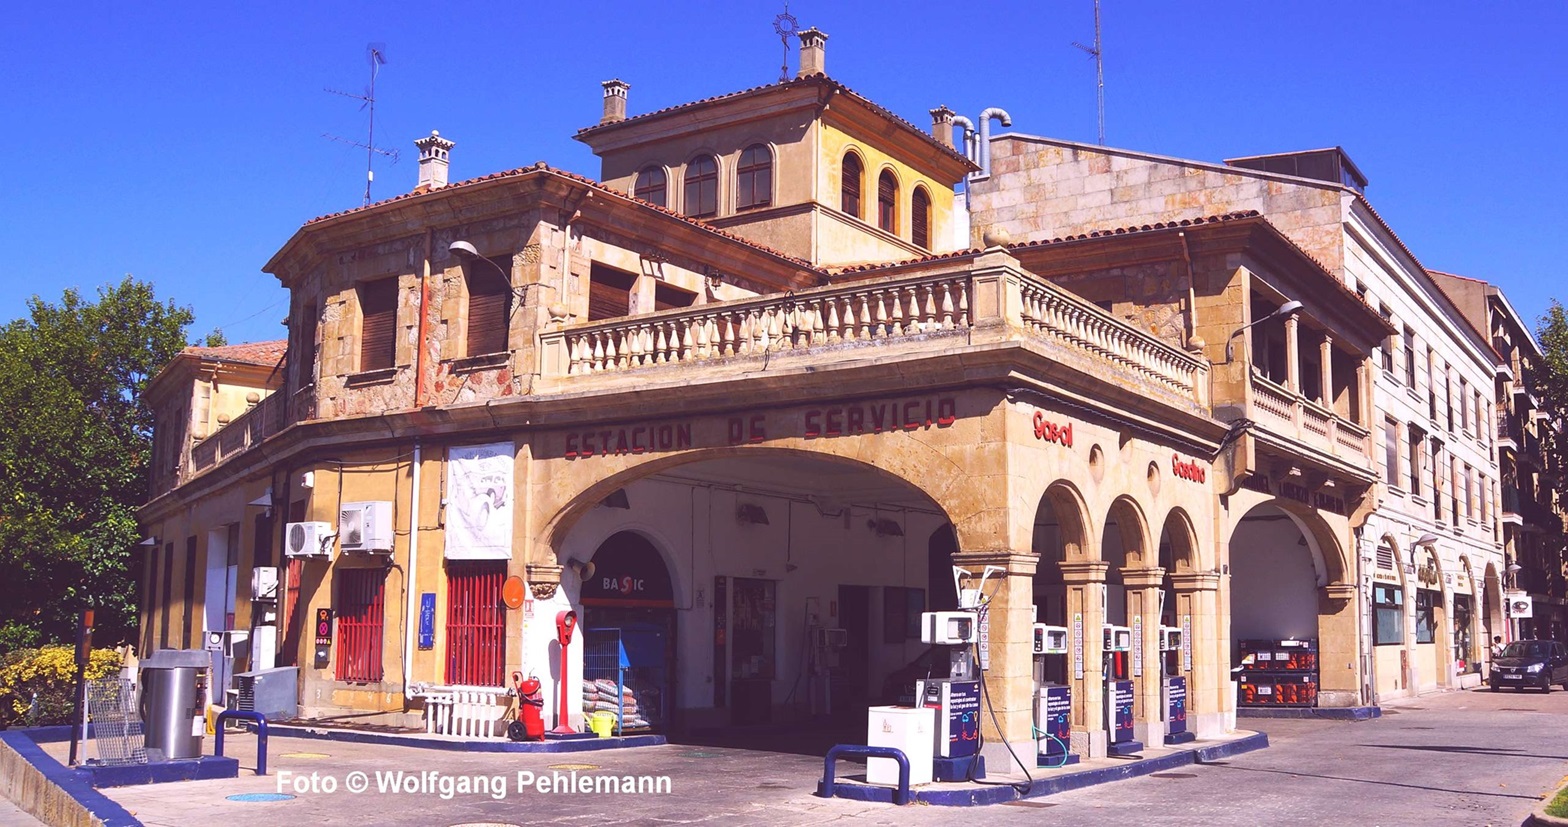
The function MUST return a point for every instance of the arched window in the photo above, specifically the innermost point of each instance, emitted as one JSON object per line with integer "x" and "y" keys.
{"x": 920, "y": 218}
{"x": 754, "y": 178}
{"x": 702, "y": 187}
{"x": 650, "y": 186}
{"x": 849, "y": 188}
{"x": 887, "y": 202}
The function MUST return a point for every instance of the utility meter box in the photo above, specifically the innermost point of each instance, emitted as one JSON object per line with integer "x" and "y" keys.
{"x": 1050, "y": 640}
{"x": 1118, "y": 638}
{"x": 1170, "y": 639}
{"x": 264, "y": 583}
{"x": 948, "y": 628}
{"x": 366, "y": 526}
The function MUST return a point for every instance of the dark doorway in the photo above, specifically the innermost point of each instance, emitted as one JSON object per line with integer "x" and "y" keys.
{"x": 629, "y": 634}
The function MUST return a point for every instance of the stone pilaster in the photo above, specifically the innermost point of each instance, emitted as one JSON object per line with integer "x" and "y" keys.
{"x": 1085, "y": 582}
{"x": 1143, "y": 612}
{"x": 1205, "y": 656}
{"x": 1009, "y": 682}
{"x": 1339, "y": 665}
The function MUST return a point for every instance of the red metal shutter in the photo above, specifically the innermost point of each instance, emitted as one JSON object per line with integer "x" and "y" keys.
{"x": 489, "y": 308}
{"x": 475, "y": 623}
{"x": 360, "y": 612}
{"x": 378, "y": 307}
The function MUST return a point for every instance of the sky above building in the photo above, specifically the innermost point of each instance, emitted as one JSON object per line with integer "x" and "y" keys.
{"x": 184, "y": 142}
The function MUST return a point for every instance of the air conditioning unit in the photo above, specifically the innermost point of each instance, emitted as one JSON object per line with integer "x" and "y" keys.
{"x": 1050, "y": 640}
{"x": 1118, "y": 638}
{"x": 264, "y": 583}
{"x": 366, "y": 527}
{"x": 310, "y": 541}
{"x": 1520, "y": 605}
{"x": 832, "y": 639}
{"x": 1170, "y": 638}
{"x": 948, "y": 628}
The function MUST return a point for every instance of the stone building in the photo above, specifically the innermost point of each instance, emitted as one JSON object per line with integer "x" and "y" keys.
{"x": 755, "y": 384}
{"x": 1429, "y": 553}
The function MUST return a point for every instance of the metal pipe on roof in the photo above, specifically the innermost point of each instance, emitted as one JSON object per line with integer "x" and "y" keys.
{"x": 969, "y": 136}
{"x": 985, "y": 135}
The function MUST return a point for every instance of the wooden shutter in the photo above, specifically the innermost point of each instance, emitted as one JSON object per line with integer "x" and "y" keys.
{"x": 920, "y": 219}
{"x": 849, "y": 196}
{"x": 887, "y": 198}
{"x": 377, "y": 329}
{"x": 609, "y": 293}
{"x": 666, "y": 296}
{"x": 489, "y": 307}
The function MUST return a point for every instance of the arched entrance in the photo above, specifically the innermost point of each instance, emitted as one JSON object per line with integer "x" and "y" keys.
{"x": 1430, "y": 633}
{"x": 1068, "y": 588}
{"x": 628, "y": 627}
{"x": 1277, "y": 570}
{"x": 1467, "y": 633}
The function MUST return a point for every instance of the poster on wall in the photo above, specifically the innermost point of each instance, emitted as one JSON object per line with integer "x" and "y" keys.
{"x": 479, "y": 502}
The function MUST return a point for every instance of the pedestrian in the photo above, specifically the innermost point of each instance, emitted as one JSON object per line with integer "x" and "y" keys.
{"x": 1497, "y": 647}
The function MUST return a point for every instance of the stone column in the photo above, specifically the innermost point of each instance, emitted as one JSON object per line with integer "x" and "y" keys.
{"x": 1143, "y": 613}
{"x": 1293, "y": 353}
{"x": 1326, "y": 372}
{"x": 1205, "y": 657}
{"x": 1085, "y": 581}
{"x": 1009, "y": 682}
{"x": 1339, "y": 670}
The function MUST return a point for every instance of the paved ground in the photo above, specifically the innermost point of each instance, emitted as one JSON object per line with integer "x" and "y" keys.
{"x": 1472, "y": 758}
{"x": 10, "y": 816}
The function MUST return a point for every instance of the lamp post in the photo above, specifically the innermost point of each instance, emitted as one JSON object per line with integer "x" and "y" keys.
{"x": 1284, "y": 310}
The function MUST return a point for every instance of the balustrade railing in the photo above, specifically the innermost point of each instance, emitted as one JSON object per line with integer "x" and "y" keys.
{"x": 244, "y": 431}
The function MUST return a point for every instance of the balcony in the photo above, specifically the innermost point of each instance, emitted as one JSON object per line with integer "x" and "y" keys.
{"x": 237, "y": 437}
{"x": 1297, "y": 418}
{"x": 924, "y": 312}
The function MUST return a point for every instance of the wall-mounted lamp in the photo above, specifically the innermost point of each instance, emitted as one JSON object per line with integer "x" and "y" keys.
{"x": 751, "y": 513}
{"x": 884, "y": 527}
{"x": 1284, "y": 310}
{"x": 715, "y": 279}
{"x": 151, "y": 542}
{"x": 1426, "y": 539}
{"x": 263, "y": 501}
{"x": 584, "y": 569}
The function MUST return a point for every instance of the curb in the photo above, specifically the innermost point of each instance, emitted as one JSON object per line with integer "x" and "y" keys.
{"x": 562, "y": 746}
{"x": 1333, "y": 713}
{"x": 1001, "y": 793}
{"x": 73, "y": 787}
{"x": 1538, "y": 816}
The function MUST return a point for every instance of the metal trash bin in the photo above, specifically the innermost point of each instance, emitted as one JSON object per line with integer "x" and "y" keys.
{"x": 173, "y": 702}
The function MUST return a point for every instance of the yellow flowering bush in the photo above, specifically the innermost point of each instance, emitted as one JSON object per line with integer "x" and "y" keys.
{"x": 50, "y": 673}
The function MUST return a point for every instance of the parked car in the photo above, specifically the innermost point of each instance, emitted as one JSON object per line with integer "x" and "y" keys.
{"x": 1537, "y": 663}
{"x": 899, "y": 687}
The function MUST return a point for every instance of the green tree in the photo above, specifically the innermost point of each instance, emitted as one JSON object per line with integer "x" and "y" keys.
{"x": 1551, "y": 382}
{"x": 75, "y": 440}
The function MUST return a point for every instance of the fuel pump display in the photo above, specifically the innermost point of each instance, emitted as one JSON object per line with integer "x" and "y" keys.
{"x": 1053, "y": 702}
{"x": 1119, "y": 692}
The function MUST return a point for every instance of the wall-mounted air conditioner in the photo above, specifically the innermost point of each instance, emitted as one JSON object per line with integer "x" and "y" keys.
{"x": 366, "y": 527}
{"x": 311, "y": 540}
{"x": 264, "y": 583}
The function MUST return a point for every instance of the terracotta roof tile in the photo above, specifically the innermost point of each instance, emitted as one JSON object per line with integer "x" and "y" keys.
{"x": 266, "y": 354}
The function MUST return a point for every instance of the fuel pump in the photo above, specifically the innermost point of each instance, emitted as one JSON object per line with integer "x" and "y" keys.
{"x": 1053, "y": 701}
{"x": 1174, "y": 687}
{"x": 956, "y": 698}
{"x": 1119, "y": 691}
{"x": 826, "y": 644}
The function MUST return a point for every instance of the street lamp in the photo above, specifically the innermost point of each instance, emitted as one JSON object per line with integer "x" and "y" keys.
{"x": 1426, "y": 539}
{"x": 1284, "y": 310}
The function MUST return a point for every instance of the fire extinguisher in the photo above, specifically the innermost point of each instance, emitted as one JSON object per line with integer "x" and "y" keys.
{"x": 529, "y": 725}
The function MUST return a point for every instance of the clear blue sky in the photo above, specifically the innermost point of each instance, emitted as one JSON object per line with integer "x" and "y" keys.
{"x": 182, "y": 142}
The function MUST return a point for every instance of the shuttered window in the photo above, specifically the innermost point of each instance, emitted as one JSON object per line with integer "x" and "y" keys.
{"x": 887, "y": 202}
{"x": 920, "y": 219}
{"x": 475, "y": 623}
{"x": 666, "y": 296}
{"x": 609, "y": 292}
{"x": 650, "y": 186}
{"x": 702, "y": 187}
{"x": 360, "y": 609}
{"x": 489, "y": 305}
{"x": 849, "y": 187}
{"x": 1385, "y": 557}
{"x": 754, "y": 178}
{"x": 378, "y": 309}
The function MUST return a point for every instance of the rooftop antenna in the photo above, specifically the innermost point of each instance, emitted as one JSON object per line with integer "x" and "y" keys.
{"x": 785, "y": 25}
{"x": 376, "y": 53}
{"x": 1099, "y": 69}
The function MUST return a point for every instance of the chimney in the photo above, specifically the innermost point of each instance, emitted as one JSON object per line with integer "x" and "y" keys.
{"x": 812, "y": 53}
{"x": 942, "y": 126}
{"x": 614, "y": 100}
{"x": 435, "y": 156}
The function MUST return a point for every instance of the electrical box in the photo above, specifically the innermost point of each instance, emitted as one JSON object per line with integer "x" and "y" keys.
{"x": 948, "y": 628}
{"x": 311, "y": 540}
{"x": 1050, "y": 640}
{"x": 1118, "y": 638}
{"x": 831, "y": 639}
{"x": 1170, "y": 639}
{"x": 366, "y": 527}
{"x": 264, "y": 583}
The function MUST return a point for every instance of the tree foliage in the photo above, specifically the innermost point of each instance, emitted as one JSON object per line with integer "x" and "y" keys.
{"x": 1551, "y": 382}
{"x": 75, "y": 441}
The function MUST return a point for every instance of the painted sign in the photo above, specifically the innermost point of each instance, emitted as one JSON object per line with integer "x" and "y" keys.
{"x": 1175, "y": 706}
{"x": 1190, "y": 471}
{"x": 1056, "y": 732}
{"x": 479, "y": 501}
{"x": 1118, "y": 710}
{"x": 852, "y": 419}
{"x": 323, "y": 653}
{"x": 1078, "y": 645}
{"x": 1051, "y": 432}
{"x": 628, "y": 571}
{"x": 427, "y": 620}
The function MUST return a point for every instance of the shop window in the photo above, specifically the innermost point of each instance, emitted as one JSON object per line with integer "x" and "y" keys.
{"x": 609, "y": 292}
{"x": 1464, "y": 612}
{"x": 887, "y": 202}
{"x": 753, "y": 632}
{"x": 650, "y": 186}
{"x": 702, "y": 187}
{"x": 360, "y": 608}
{"x": 1426, "y": 604}
{"x": 1388, "y": 607}
{"x": 849, "y": 185}
{"x": 920, "y": 218}
{"x": 377, "y": 326}
{"x": 754, "y": 178}
{"x": 489, "y": 305}
{"x": 475, "y": 623}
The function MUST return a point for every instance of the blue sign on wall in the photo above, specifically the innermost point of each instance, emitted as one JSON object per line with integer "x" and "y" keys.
{"x": 427, "y": 620}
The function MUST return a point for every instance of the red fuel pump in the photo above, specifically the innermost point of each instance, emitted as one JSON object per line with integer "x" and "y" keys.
{"x": 565, "y": 624}
{"x": 529, "y": 725}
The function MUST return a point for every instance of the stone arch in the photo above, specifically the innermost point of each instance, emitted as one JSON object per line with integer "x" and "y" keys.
{"x": 1491, "y": 608}
{"x": 1179, "y": 543}
{"x": 1330, "y": 558}
{"x": 1072, "y": 515}
{"x": 582, "y": 547}
{"x": 1133, "y": 530}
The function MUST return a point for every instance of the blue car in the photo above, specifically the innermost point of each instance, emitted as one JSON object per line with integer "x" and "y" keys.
{"x": 1535, "y": 663}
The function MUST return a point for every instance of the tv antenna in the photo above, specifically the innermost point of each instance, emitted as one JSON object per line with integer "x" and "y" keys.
{"x": 376, "y": 53}
{"x": 1099, "y": 69}
{"x": 785, "y": 25}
